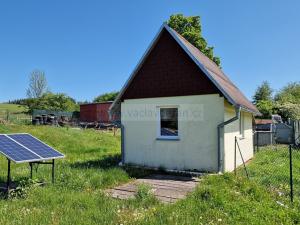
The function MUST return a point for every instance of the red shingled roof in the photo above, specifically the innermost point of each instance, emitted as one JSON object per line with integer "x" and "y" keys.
{"x": 214, "y": 73}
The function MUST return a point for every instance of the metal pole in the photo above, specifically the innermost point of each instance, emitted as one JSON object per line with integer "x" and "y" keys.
{"x": 271, "y": 135}
{"x": 8, "y": 175}
{"x": 30, "y": 170}
{"x": 243, "y": 160}
{"x": 53, "y": 171}
{"x": 235, "y": 155}
{"x": 257, "y": 141}
{"x": 291, "y": 173}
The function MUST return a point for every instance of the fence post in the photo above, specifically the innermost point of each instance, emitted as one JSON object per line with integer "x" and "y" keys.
{"x": 235, "y": 155}
{"x": 291, "y": 174}
{"x": 7, "y": 115}
{"x": 257, "y": 141}
{"x": 271, "y": 135}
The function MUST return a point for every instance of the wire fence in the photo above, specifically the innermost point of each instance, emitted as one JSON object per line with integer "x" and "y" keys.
{"x": 13, "y": 117}
{"x": 277, "y": 167}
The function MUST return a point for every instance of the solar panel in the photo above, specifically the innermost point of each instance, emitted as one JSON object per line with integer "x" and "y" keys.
{"x": 36, "y": 146}
{"x": 16, "y": 152}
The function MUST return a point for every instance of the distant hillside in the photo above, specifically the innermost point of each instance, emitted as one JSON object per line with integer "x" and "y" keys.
{"x": 12, "y": 108}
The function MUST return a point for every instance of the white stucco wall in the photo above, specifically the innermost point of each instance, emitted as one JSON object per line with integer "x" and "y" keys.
{"x": 197, "y": 147}
{"x": 230, "y": 131}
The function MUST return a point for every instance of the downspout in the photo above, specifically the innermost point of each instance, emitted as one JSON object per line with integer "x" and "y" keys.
{"x": 221, "y": 126}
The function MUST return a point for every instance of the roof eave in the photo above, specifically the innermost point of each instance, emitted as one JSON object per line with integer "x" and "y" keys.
{"x": 246, "y": 109}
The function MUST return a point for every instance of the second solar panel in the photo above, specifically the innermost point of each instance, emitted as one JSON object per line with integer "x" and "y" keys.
{"x": 36, "y": 146}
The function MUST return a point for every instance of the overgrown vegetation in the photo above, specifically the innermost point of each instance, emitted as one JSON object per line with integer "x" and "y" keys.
{"x": 90, "y": 166}
{"x": 271, "y": 168}
{"x": 110, "y": 96}
{"x": 286, "y": 101}
{"x": 54, "y": 102}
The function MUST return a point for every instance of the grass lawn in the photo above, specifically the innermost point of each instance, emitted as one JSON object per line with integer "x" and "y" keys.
{"x": 90, "y": 167}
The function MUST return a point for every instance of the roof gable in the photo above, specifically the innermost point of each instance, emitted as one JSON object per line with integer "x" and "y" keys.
{"x": 209, "y": 68}
{"x": 168, "y": 71}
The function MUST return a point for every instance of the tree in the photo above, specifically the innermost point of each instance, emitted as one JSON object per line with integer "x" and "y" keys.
{"x": 288, "y": 101}
{"x": 263, "y": 99}
{"x": 190, "y": 28}
{"x": 263, "y": 93}
{"x": 51, "y": 101}
{"x": 266, "y": 108}
{"x": 289, "y": 110}
{"x": 289, "y": 93}
{"x": 37, "y": 84}
{"x": 110, "y": 96}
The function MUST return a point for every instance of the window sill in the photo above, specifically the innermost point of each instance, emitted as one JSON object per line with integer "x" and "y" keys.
{"x": 167, "y": 139}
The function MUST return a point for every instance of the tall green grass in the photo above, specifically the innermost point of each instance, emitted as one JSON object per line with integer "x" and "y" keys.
{"x": 271, "y": 168}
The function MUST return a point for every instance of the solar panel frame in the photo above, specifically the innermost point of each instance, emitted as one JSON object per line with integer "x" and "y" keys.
{"x": 20, "y": 161}
{"x": 39, "y": 158}
{"x": 38, "y": 140}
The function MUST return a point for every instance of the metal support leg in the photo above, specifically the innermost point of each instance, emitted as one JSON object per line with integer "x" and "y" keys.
{"x": 30, "y": 170}
{"x": 53, "y": 167}
{"x": 8, "y": 175}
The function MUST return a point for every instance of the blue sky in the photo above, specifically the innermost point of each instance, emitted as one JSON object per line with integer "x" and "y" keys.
{"x": 90, "y": 47}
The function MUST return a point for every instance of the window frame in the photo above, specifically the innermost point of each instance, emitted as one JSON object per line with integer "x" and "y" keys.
{"x": 162, "y": 137}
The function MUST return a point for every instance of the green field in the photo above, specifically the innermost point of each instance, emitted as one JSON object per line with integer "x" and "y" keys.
{"x": 12, "y": 108}
{"x": 90, "y": 167}
{"x": 14, "y": 113}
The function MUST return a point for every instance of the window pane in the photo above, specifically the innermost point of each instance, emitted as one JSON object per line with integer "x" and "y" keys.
{"x": 169, "y": 122}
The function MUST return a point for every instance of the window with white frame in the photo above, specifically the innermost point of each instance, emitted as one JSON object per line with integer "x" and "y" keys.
{"x": 242, "y": 121}
{"x": 168, "y": 122}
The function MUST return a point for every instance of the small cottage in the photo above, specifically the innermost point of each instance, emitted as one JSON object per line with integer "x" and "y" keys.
{"x": 179, "y": 111}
